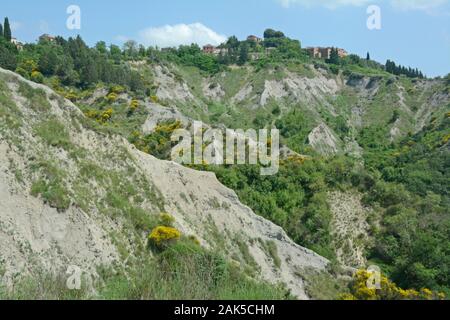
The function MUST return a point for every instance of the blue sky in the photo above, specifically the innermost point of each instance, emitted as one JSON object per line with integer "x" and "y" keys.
{"x": 413, "y": 32}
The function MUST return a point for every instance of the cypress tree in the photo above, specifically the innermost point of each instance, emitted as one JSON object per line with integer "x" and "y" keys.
{"x": 368, "y": 56}
{"x": 1, "y": 30}
{"x": 7, "y": 30}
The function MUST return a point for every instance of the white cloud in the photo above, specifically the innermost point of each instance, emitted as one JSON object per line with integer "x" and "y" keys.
{"x": 425, "y": 5}
{"x": 122, "y": 38}
{"x": 180, "y": 34}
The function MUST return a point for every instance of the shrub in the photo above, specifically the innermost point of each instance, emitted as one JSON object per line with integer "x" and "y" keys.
{"x": 106, "y": 115}
{"x": 194, "y": 240}
{"x": 71, "y": 95}
{"x": 389, "y": 290}
{"x": 117, "y": 90}
{"x": 134, "y": 105}
{"x": 22, "y": 72}
{"x": 162, "y": 236}
{"x": 92, "y": 114}
{"x": 37, "y": 77}
{"x": 25, "y": 68}
{"x": 166, "y": 219}
{"x": 100, "y": 117}
{"x": 111, "y": 97}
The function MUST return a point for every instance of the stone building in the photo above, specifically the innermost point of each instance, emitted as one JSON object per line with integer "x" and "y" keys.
{"x": 325, "y": 53}
{"x": 255, "y": 39}
{"x": 47, "y": 37}
{"x": 209, "y": 48}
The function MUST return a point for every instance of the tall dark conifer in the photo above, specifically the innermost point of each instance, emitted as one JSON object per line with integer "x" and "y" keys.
{"x": 7, "y": 30}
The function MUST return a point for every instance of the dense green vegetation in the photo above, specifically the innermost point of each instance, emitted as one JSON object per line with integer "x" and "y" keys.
{"x": 408, "y": 189}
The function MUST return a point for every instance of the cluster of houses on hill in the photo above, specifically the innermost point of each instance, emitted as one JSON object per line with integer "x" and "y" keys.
{"x": 315, "y": 52}
{"x": 210, "y": 49}
{"x": 45, "y": 37}
{"x": 325, "y": 53}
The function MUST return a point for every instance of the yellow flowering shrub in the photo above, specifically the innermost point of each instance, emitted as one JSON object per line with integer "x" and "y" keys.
{"x": 107, "y": 114}
{"x": 71, "y": 95}
{"x": 294, "y": 159}
{"x": 446, "y": 139}
{"x": 168, "y": 128}
{"x": 111, "y": 97}
{"x": 388, "y": 290}
{"x": 117, "y": 90}
{"x": 92, "y": 114}
{"x": 134, "y": 105}
{"x": 36, "y": 76}
{"x": 348, "y": 297}
{"x": 100, "y": 117}
{"x": 25, "y": 68}
{"x": 161, "y": 236}
{"x": 154, "y": 99}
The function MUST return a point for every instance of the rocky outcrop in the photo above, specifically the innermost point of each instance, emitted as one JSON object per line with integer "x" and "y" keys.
{"x": 169, "y": 88}
{"x": 324, "y": 141}
{"x": 300, "y": 88}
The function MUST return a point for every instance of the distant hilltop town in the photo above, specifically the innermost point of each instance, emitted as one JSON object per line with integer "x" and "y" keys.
{"x": 19, "y": 45}
{"x": 315, "y": 52}
{"x": 325, "y": 53}
{"x": 258, "y": 47}
{"x": 43, "y": 38}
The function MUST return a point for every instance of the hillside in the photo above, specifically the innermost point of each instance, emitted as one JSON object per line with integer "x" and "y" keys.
{"x": 363, "y": 179}
{"x": 74, "y": 196}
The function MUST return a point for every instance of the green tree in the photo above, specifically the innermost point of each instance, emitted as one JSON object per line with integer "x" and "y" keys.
{"x": 7, "y": 30}
{"x": 1, "y": 30}
{"x": 131, "y": 48}
{"x": 48, "y": 62}
{"x": 115, "y": 53}
{"x": 101, "y": 47}
{"x": 368, "y": 56}
{"x": 232, "y": 42}
{"x": 243, "y": 54}
{"x": 8, "y": 55}
{"x": 271, "y": 34}
{"x": 334, "y": 56}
